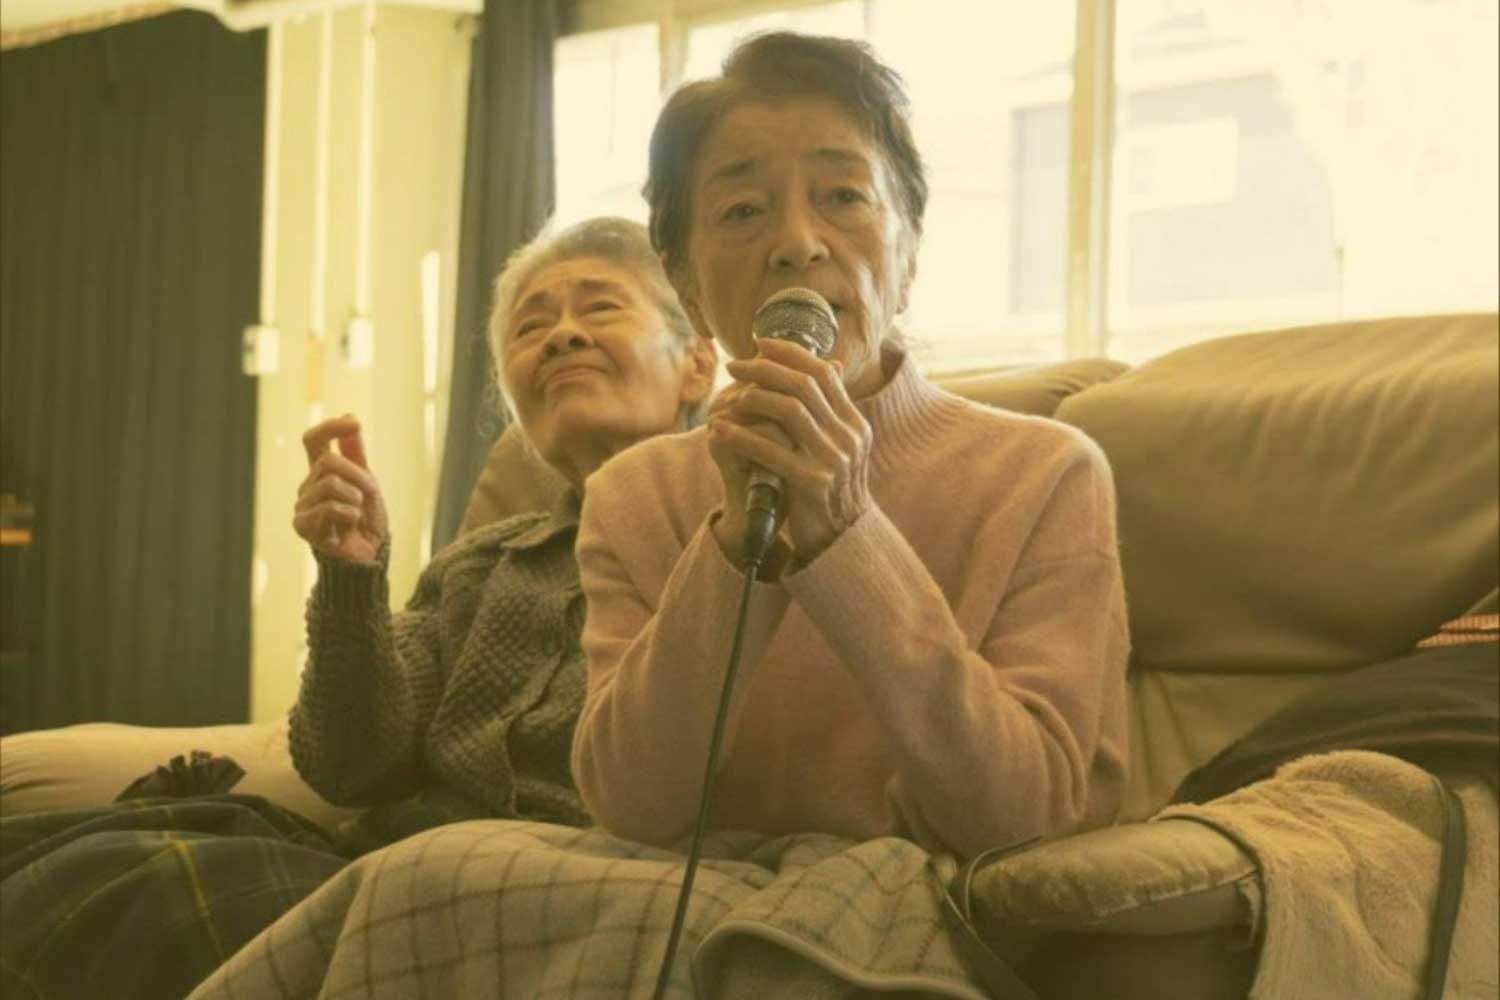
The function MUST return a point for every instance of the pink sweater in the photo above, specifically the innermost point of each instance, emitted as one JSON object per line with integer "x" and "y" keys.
{"x": 950, "y": 669}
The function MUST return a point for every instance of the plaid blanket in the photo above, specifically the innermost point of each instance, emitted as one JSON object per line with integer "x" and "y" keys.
{"x": 147, "y": 897}
{"x": 489, "y": 909}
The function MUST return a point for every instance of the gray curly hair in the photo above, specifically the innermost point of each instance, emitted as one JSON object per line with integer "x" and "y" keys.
{"x": 611, "y": 238}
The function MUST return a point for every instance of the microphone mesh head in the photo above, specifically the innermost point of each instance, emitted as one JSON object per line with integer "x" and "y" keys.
{"x": 800, "y": 315}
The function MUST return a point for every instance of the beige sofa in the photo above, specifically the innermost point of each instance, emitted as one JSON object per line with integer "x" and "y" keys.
{"x": 1293, "y": 504}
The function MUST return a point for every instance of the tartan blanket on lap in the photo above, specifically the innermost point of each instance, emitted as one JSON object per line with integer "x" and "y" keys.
{"x": 145, "y": 898}
{"x": 490, "y": 909}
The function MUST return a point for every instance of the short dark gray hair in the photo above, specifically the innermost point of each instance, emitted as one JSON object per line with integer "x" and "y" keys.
{"x": 612, "y": 238}
{"x": 767, "y": 67}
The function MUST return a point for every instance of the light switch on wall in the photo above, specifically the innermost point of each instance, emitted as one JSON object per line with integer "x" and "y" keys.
{"x": 260, "y": 350}
{"x": 358, "y": 345}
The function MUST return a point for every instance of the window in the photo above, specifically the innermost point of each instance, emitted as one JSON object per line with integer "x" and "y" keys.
{"x": 1271, "y": 163}
{"x": 708, "y": 42}
{"x": 606, "y": 92}
{"x": 1279, "y": 163}
{"x": 990, "y": 110}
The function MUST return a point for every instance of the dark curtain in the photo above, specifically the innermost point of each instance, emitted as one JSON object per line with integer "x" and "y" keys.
{"x": 508, "y": 194}
{"x": 130, "y": 208}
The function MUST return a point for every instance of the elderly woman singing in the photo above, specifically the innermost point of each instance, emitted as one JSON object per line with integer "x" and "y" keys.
{"x": 938, "y": 643}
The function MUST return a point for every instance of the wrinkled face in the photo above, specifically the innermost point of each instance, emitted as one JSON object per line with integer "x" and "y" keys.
{"x": 787, "y": 193}
{"x": 590, "y": 363}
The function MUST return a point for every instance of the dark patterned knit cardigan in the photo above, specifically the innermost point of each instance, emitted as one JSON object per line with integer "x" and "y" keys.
{"x": 461, "y": 706}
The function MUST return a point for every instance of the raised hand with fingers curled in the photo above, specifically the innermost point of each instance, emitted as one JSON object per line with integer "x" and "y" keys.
{"x": 340, "y": 511}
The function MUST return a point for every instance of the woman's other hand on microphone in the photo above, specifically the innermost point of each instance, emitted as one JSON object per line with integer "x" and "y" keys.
{"x": 340, "y": 511}
{"x": 821, "y": 448}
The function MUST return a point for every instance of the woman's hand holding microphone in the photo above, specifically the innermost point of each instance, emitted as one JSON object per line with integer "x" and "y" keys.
{"x": 791, "y": 415}
{"x": 340, "y": 511}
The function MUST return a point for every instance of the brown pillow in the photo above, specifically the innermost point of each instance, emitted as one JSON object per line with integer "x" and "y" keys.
{"x": 1304, "y": 500}
{"x": 514, "y": 481}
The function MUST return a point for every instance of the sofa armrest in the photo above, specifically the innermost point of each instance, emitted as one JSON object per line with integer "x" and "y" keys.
{"x": 1161, "y": 909}
{"x": 87, "y": 766}
{"x": 1168, "y": 876}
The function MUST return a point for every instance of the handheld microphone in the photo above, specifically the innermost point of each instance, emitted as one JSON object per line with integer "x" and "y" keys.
{"x": 804, "y": 317}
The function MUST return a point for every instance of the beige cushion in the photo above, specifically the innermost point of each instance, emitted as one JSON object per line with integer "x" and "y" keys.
{"x": 1303, "y": 500}
{"x": 1179, "y": 720}
{"x": 89, "y": 765}
{"x": 1037, "y": 391}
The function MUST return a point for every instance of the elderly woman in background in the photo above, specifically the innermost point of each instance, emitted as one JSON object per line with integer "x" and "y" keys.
{"x": 937, "y": 649}
{"x": 460, "y": 706}
{"x": 463, "y": 706}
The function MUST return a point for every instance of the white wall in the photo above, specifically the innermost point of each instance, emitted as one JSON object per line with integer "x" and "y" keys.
{"x": 391, "y": 81}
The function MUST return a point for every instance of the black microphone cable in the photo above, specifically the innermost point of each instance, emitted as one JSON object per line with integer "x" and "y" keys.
{"x": 804, "y": 317}
{"x": 761, "y": 528}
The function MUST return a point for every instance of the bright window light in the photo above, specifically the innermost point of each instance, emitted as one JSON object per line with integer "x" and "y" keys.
{"x": 1282, "y": 162}
{"x": 990, "y": 111}
{"x": 1274, "y": 162}
{"x": 709, "y": 42}
{"x": 606, "y": 93}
